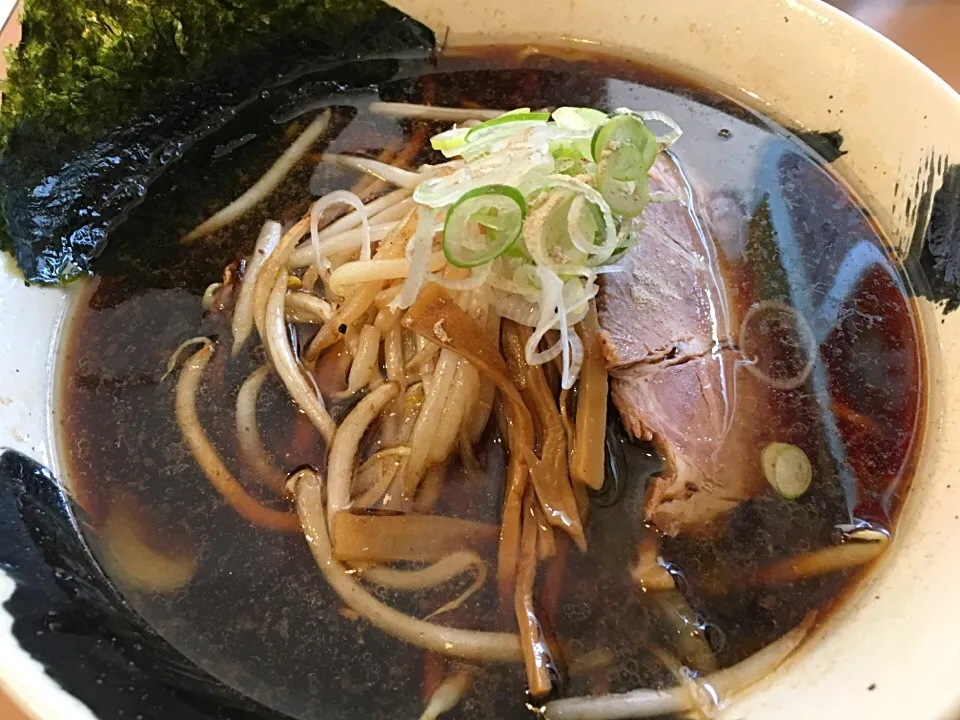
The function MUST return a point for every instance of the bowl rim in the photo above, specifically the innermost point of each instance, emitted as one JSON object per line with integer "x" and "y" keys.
{"x": 24, "y": 679}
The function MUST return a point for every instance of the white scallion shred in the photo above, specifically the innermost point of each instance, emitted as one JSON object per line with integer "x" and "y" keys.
{"x": 513, "y": 168}
{"x": 575, "y": 219}
{"x": 601, "y": 253}
{"x": 450, "y": 142}
{"x": 648, "y": 116}
{"x": 551, "y": 315}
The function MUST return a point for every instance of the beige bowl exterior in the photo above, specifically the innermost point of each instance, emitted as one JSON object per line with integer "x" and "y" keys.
{"x": 794, "y": 60}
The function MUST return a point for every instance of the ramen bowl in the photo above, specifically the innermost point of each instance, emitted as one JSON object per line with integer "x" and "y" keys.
{"x": 71, "y": 648}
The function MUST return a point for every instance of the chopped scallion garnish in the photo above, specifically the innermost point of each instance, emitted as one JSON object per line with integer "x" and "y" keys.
{"x": 626, "y": 130}
{"x": 787, "y": 468}
{"x": 624, "y": 150}
{"x": 522, "y": 115}
{"x": 579, "y": 119}
{"x": 483, "y": 224}
{"x": 538, "y": 203}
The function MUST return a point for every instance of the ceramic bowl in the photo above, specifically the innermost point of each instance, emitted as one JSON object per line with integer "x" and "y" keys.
{"x": 887, "y": 653}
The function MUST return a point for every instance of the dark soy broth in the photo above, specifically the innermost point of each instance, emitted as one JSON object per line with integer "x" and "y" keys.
{"x": 257, "y": 613}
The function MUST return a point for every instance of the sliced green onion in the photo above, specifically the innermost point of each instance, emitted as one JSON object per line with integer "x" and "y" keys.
{"x": 585, "y": 225}
{"x": 625, "y": 130}
{"x": 648, "y": 116}
{"x": 521, "y": 115}
{"x": 625, "y": 163}
{"x": 571, "y": 155}
{"x": 565, "y": 148}
{"x": 787, "y": 468}
{"x": 625, "y": 150}
{"x": 623, "y": 182}
{"x": 566, "y": 166}
{"x": 450, "y": 140}
{"x": 483, "y": 224}
{"x": 579, "y": 119}
{"x": 517, "y": 250}
{"x": 611, "y": 241}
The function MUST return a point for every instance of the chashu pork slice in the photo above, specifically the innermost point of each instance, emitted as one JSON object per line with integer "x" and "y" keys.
{"x": 665, "y": 303}
{"x": 703, "y": 419}
{"x": 664, "y": 329}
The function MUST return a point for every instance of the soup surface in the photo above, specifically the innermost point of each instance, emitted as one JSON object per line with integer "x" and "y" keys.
{"x": 249, "y": 606}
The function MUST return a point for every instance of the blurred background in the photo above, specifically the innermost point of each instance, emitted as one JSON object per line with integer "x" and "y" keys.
{"x": 929, "y": 29}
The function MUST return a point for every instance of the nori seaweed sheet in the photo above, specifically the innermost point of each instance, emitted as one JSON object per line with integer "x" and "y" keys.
{"x": 89, "y": 126}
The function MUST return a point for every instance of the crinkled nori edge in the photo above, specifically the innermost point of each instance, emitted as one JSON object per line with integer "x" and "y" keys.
{"x": 61, "y": 203}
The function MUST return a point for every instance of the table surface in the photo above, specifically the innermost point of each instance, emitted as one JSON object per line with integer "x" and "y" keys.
{"x": 926, "y": 28}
